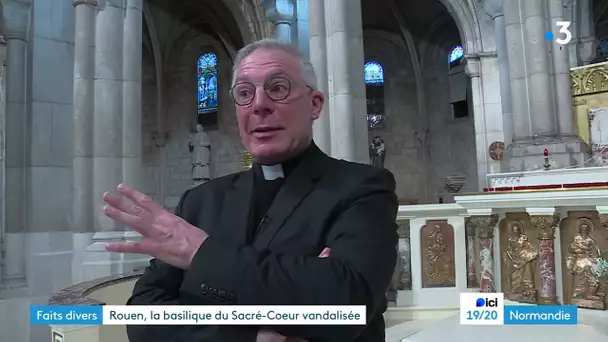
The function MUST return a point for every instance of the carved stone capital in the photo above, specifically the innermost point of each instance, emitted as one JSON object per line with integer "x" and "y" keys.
{"x": 278, "y": 11}
{"x": 470, "y": 226}
{"x": 472, "y": 67}
{"x": 16, "y": 16}
{"x": 604, "y": 221}
{"x": 484, "y": 225}
{"x": 403, "y": 229}
{"x": 546, "y": 225}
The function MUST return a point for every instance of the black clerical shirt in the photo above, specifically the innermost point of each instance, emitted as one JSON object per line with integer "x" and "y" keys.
{"x": 265, "y": 191}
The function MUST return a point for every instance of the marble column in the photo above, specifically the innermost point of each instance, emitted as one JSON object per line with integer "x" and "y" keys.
{"x": 346, "y": 101}
{"x": 318, "y": 57}
{"x": 16, "y": 23}
{"x": 546, "y": 222}
{"x": 471, "y": 231}
{"x": 486, "y": 225}
{"x": 561, "y": 73}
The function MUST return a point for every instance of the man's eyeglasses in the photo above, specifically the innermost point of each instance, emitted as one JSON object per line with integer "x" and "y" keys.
{"x": 277, "y": 89}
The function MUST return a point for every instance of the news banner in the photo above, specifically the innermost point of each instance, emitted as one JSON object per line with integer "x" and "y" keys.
{"x": 475, "y": 309}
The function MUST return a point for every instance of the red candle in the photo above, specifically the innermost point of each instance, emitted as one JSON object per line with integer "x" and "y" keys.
{"x": 546, "y": 153}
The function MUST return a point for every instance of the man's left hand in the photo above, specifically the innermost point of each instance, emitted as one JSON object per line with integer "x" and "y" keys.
{"x": 166, "y": 236}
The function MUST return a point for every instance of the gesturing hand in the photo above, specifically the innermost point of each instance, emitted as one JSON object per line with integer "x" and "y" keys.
{"x": 166, "y": 236}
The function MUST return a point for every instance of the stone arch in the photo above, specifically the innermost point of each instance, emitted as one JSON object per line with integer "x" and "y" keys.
{"x": 250, "y": 19}
{"x": 464, "y": 14}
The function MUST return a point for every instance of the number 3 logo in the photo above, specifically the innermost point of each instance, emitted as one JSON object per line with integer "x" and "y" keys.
{"x": 564, "y": 29}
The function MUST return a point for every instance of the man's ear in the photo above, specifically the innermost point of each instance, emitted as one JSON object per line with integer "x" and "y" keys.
{"x": 318, "y": 99}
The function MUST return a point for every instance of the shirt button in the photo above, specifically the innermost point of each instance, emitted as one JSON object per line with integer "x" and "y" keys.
{"x": 204, "y": 288}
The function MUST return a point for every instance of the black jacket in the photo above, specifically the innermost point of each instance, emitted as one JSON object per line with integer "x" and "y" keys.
{"x": 348, "y": 207}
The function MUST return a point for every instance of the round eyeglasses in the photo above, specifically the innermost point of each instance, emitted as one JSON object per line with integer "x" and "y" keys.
{"x": 277, "y": 89}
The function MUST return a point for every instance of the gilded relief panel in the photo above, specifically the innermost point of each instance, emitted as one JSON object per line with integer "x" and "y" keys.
{"x": 519, "y": 253}
{"x": 583, "y": 240}
{"x": 437, "y": 242}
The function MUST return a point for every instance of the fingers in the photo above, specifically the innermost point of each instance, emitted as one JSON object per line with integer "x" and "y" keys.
{"x": 325, "y": 253}
{"x": 139, "y": 199}
{"x": 130, "y": 220}
{"x": 128, "y": 247}
{"x": 122, "y": 203}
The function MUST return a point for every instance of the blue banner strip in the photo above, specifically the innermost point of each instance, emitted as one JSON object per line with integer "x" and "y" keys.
{"x": 67, "y": 315}
{"x": 541, "y": 314}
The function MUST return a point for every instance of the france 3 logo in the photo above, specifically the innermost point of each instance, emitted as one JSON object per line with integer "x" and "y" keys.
{"x": 482, "y": 308}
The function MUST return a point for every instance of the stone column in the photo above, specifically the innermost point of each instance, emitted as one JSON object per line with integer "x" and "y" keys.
{"x": 281, "y": 14}
{"x": 546, "y": 221}
{"x": 83, "y": 106}
{"x": 485, "y": 233}
{"x": 2, "y": 144}
{"x": 132, "y": 70}
{"x": 471, "y": 231}
{"x": 537, "y": 69}
{"x": 517, "y": 71}
{"x": 16, "y": 23}
{"x": 346, "y": 86}
{"x": 318, "y": 57}
{"x": 494, "y": 9}
{"x": 561, "y": 73}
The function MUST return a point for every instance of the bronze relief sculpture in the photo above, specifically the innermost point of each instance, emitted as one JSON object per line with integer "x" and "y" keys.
{"x": 439, "y": 265}
{"x": 583, "y": 253}
{"x": 520, "y": 258}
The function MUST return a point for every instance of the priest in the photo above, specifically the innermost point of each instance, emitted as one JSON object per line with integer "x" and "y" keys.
{"x": 299, "y": 228}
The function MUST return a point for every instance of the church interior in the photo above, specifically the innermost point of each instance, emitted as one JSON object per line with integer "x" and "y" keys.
{"x": 496, "y": 136}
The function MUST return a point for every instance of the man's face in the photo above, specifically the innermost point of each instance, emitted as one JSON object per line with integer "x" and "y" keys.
{"x": 273, "y": 131}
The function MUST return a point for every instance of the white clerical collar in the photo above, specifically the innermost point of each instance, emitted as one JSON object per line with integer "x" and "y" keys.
{"x": 272, "y": 172}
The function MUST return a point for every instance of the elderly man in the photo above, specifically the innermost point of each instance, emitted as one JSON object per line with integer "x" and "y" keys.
{"x": 299, "y": 228}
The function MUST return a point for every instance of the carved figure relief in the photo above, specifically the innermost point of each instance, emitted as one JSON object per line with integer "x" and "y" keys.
{"x": 583, "y": 253}
{"x": 438, "y": 255}
{"x": 520, "y": 259}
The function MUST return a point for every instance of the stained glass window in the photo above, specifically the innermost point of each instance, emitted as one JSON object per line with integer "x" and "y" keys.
{"x": 374, "y": 73}
{"x": 602, "y": 48}
{"x": 207, "y": 83}
{"x": 456, "y": 54}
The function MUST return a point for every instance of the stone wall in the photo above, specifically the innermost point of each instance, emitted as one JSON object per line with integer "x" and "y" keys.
{"x": 169, "y": 169}
{"x": 451, "y": 142}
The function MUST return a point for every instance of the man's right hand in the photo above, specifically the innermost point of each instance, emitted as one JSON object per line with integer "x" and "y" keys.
{"x": 271, "y": 336}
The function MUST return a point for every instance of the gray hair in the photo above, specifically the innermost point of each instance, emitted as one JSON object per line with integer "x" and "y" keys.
{"x": 308, "y": 71}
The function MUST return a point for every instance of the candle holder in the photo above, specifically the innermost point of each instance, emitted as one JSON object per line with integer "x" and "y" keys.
{"x": 546, "y": 165}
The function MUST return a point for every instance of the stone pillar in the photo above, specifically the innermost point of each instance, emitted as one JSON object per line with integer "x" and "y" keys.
{"x": 347, "y": 108}
{"x": 541, "y": 99}
{"x": 107, "y": 137}
{"x": 471, "y": 231}
{"x": 132, "y": 97}
{"x": 545, "y": 220}
{"x": 494, "y": 9}
{"x": 318, "y": 57}
{"x": 16, "y": 23}
{"x": 561, "y": 73}
{"x": 2, "y": 144}
{"x": 517, "y": 70}
{"x": 281, "y": 14}
{"x": 485, "y": 233}
{"x": 82, "y": 148}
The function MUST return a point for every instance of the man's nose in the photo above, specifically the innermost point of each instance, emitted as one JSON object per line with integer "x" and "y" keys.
{"x": 262, "y": 104}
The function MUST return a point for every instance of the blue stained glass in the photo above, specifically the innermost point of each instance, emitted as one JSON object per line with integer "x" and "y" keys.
{"x": 603, "y": 45}
{"x": 207, "y": 83}
{"x": 374, "y": 73}
{"x": 456, "y": 54}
